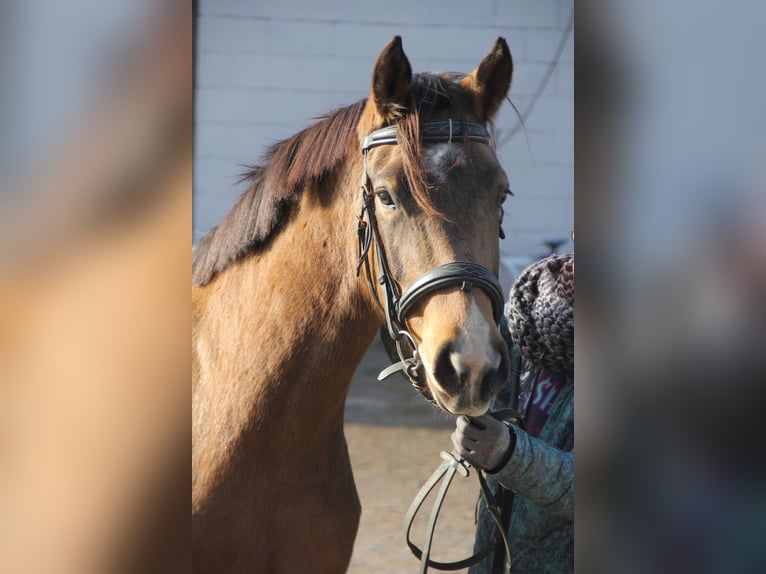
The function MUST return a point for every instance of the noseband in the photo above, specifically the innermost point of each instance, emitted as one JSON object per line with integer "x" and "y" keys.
{"x": 397, "y": 305}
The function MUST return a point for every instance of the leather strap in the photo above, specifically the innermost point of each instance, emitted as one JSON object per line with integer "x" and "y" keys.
{"x": 499, "y": 507}
{"x": 456, "y": 273}
{"x": 446, "y": 472}
{"x": 434, "y": 131}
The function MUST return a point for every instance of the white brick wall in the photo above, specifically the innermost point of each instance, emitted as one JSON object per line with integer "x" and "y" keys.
{"x": 266, "y": 68}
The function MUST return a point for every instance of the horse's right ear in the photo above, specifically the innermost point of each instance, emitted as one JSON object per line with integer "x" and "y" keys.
{"x": 391, "y": 82}
{"x": 490, "y": 81}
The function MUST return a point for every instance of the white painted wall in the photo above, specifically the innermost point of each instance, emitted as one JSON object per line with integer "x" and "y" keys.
{"x": 266, "y": 68}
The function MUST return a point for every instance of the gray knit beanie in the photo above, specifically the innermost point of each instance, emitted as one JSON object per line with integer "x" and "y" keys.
{"x": 541, "y": 313}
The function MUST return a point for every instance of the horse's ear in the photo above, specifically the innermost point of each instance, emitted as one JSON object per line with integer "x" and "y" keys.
{"x": 391, "y": 82}
{"x": 490, "y": 81}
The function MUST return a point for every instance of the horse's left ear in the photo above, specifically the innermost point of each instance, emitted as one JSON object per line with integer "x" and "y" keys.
{"x": 490, "y": 81}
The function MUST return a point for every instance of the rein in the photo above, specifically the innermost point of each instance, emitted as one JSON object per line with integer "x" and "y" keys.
{"x": 397, "y": 304}
{"x": 499, "y": 507}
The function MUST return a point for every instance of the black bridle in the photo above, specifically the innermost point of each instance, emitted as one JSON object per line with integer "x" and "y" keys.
{"x": 397, "y": 304}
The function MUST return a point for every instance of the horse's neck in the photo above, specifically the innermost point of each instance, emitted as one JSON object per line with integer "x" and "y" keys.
{"x": 277, "y": 339}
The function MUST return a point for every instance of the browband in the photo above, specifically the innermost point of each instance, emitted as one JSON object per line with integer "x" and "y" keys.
{"x": 435, "y": 131}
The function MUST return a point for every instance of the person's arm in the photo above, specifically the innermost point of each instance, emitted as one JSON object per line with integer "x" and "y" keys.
{"x": 522, "y": 463}
{"x": 540, "y": 473}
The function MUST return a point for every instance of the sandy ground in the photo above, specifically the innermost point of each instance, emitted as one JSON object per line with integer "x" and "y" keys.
{"x": 394, "y": 438}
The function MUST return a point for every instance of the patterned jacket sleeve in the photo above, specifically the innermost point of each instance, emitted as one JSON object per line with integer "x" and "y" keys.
{"x": 541, "y": 474}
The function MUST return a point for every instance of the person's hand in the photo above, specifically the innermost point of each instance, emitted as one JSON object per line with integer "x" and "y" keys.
{"x": 484, "y": 442}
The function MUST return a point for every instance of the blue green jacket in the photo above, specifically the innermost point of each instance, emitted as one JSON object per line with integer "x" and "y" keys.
{"x": 541, "y": 474}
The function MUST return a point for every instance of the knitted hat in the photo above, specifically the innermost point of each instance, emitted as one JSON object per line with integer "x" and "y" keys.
{"x": 541, "y": 313}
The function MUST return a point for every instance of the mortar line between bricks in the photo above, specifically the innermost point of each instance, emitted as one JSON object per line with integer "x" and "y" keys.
{"x": 492, "y": 26}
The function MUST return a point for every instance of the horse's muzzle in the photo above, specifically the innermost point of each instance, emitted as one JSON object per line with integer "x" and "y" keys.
{"x": 465, "y": 379}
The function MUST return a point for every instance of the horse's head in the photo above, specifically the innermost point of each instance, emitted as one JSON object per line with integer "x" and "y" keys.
{"x": 434, "y": 197}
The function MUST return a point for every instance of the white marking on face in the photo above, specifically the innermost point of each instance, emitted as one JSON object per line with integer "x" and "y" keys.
{"x": 475, "y": 352}
{"x": 436, "y": 154}
{"x": 438, "y": 158}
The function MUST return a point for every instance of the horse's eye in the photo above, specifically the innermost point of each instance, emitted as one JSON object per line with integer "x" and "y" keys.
{"x": 385, "y": 198}
{"x": 504, "y": 195}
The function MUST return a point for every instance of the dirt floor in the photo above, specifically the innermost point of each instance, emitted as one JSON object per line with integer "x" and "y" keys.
{"x": 394, "y": 438}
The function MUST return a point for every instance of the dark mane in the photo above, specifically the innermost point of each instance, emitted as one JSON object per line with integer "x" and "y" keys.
{"x": 286, "y": 168}
{"x": 312, "y": 154}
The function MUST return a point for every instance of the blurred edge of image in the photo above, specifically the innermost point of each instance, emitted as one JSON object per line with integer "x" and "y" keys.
{"x": 671, "y": 229}
{"x": 95, "y": 227}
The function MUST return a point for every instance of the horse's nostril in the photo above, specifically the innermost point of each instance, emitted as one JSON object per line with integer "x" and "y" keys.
{"x": 444, "y": 370}
{"x": 454, "y": 371}
{"x": 494, "y": 379}
{"x": 504, "y": 368}
{"x": 491, "y": 383}
{"x": 489, "y": 378}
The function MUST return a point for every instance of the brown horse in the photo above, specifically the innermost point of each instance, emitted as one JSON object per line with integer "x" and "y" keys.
{"x": 282, "y": 317}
